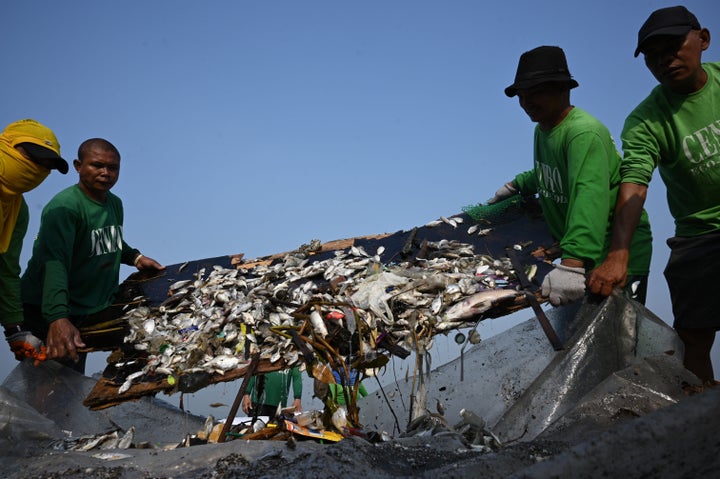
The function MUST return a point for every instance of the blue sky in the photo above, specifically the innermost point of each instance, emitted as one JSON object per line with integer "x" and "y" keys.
{"x": 255, "y": 126}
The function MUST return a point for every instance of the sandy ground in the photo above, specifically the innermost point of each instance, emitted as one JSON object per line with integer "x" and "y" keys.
{"x": 680, "y": 441}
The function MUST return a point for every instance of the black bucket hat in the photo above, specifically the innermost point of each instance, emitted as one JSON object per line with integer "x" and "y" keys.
{"x": 541, "y": 65}
{"x": 671, "y": 21}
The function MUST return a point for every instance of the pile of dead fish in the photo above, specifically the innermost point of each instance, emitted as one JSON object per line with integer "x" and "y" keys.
{"x": 117, "y": 439}
{"x": 471, "y": 429}
{"x": 209, "y": 323}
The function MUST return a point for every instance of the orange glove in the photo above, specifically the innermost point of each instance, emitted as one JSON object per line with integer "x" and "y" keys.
{"x": 26, "y": 345}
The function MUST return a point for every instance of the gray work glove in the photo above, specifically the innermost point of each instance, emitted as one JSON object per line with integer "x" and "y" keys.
{"x": 506, "y": 191}
{"x": 25, "y": 344}
{"x": 564, "y": 284}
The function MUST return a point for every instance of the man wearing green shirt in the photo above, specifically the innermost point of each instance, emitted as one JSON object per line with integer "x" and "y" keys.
{"x": 28, "y": 152}
{"x": 677, "y": 130}
{"x": 72, "y": 276}
{"x": 576, "y": 175}
{"x": 275, "y": 391}
{"x": 337, "y": 390}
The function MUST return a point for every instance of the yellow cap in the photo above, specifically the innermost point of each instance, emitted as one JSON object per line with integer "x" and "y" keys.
{"x": 35, "y": 133}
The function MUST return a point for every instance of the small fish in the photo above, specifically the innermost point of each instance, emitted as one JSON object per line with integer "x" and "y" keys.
{"x": 531, "y": 272}
{"x": 481, "y": 269}
{"x": 433, "y": 223}
{"x": 217, "y": 404}
{"x": 450, "y": 221}
{"x": 129, "y": 380}
{"x": 223, "y": 363}
{"x": 127, "y": 439}
{"x": 358, "y": 251}
{"x": 318, "y": 324}
{"x": 436, "y": 305}
{"x": 339, "y": 418}
{"x": 478, "y": 303}
{"x": 179, "y": 284}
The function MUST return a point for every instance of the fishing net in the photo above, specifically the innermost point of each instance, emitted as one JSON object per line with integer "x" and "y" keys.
{"x": 494, "y": 212}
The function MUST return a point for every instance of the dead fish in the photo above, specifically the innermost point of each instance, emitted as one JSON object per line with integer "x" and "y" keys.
{"x": 129, "y": 380}
{"x": 426, "y": 425}
{"x": 127, "y": 439}
{"x": 531, "y": 271}
{"x": 432, "y": 224}
{"x": 436, "y": 305}
{"x": 478, "y": 303}
{"x": 450, "y": 221}
{"x": 223, "y": 363}
{"x": 179, "y": 284}
{"x": 318, "y": 324}
{"x": 339, "y": 418}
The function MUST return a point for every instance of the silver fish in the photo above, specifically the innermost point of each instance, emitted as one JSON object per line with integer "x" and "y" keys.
{"x": 478, "y": 303}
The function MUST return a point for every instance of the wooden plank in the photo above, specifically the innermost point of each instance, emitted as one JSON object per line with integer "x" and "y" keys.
{"x": 329, "y": 246}
{"x": 106, "y": 392}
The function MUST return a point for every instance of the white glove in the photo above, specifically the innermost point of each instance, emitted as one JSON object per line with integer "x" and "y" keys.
{"x": 506, "y": 191}
{"x": 564, "y": 284}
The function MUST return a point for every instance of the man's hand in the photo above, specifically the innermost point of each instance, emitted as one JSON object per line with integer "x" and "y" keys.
{"x": 564, "y": 284}
{"x": 25, "y": 344}
{"x": 63, "y": 340}
{"x": 297, "y": 405}
{"x": 143, "y": 262}
{"x": 246, "y": 404}
{"x": 628, "y": 210}
{"x": 506, "y": 191}
{"x": 611, "y": 273}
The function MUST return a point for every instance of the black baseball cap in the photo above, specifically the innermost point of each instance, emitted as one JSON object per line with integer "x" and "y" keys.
{"x": 670, "y": 21}
{"x": 40, "y": 152}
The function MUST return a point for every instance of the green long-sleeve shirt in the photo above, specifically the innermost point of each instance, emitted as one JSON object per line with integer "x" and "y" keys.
{"x": 11, "y": 310}
{"x": 337, "y": 392}
{"x": 577, "y": 177}
{"x": 75, "y": 265}
{"x": 277, "y": 387}
{"x": 680, "y": 135}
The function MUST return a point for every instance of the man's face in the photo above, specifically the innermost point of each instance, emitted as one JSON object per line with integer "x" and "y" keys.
{"x": 675, "y": 61}
{"x": 99, "y": 172}
{"x": 542, "y": 103}
{"x": 46, "y": 163}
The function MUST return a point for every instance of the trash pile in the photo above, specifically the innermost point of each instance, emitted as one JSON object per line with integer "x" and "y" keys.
{"x": 346, "y": 312}
{"x": 340, "y": 310}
